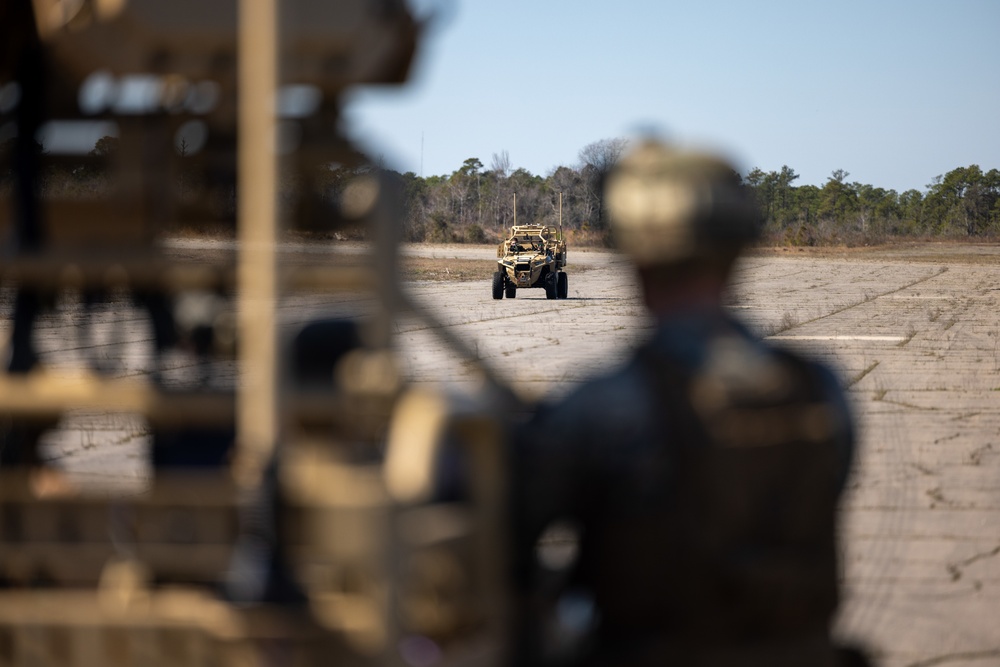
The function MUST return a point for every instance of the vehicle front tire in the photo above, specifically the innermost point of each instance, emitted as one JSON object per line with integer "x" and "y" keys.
{"x": 562, "y": 285}
{"x": 550, "y": 286}
{"x": 497, "y": 285}
{"x": 510, "y": 290}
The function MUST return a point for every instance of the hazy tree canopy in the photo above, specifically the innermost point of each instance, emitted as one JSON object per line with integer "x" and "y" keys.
{"x": 603, "y": 155}
{"x": 598, "y": 159}
{"x": 500, "y": 164}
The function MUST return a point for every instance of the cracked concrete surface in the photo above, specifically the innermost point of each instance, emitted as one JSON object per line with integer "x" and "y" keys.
{"x": 915, "y": 335}
{"x": 921, "y": 521}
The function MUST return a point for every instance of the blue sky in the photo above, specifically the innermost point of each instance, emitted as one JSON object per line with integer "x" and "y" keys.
{"x": 895, "y": 91}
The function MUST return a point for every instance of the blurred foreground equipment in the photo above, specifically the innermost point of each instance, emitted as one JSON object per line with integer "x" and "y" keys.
{"x": 306, "y": 507}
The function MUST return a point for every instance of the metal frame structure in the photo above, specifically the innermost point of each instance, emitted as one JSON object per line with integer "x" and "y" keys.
{"x": 373, "y": 556}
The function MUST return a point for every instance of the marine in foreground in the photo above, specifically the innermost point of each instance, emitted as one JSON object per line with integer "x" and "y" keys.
{"x": 695, "y": 490}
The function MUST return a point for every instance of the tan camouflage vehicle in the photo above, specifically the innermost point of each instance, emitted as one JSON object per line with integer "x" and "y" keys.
{"x": 531, "y": 256}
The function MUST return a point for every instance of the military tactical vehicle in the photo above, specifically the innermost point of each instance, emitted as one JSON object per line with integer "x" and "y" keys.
{"x": 531, "y": 256}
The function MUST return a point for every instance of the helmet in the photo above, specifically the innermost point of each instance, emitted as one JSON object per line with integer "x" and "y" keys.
{"x": 668, "y": 205}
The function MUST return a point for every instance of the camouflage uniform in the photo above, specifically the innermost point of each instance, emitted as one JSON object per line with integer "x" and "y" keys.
{"x": 703, "y": 479}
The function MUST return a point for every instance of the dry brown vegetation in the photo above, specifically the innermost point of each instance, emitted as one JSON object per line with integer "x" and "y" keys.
{"x": 425, "y": 268}
{"x": 930, "y": 252}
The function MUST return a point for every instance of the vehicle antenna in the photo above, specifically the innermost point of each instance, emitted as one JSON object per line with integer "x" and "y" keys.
{"x": 561, "y": 237}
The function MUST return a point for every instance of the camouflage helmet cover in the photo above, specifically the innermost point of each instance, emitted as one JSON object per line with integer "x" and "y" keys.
{"x": 668, "y": 205}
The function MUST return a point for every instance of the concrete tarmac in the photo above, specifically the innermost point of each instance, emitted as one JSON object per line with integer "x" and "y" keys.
{"x": 914, "y": 336}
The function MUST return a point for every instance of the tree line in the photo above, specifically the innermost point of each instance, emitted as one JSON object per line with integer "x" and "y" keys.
{"x": 964, "y": 203}
{"x": 476, "y": 203}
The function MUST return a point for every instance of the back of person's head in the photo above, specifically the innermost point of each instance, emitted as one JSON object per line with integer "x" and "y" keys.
{"x": 672, "y": 210}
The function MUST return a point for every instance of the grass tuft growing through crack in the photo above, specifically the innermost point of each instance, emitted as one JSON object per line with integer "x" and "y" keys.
{"x": 910, "y": 333}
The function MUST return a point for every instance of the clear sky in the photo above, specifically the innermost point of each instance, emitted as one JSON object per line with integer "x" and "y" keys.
{"x": 893, "y": 91}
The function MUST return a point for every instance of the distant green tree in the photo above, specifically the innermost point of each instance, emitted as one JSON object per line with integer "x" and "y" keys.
{"x": 785, "y": 194}
{"x": 807, "y": 199}
{"x": 961, "y": 202}
{"x": 764, "y": 190}
{"x": 838, "y": 201}
{"x": 991, "y": 184}
{"x": 775, "y": 196}
{"x": 911, "y": 205}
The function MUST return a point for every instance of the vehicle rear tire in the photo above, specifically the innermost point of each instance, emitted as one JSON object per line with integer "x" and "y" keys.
{"x": 550, "y": 286}
{"x": 562, "y": 285}
{"x": 498, "y": 285}
{"x": 510, "y": 291}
